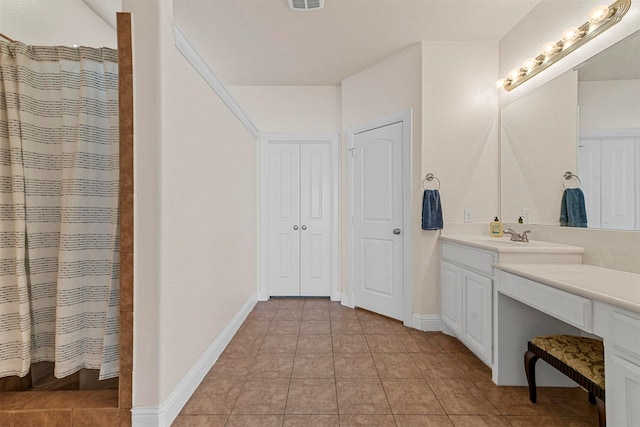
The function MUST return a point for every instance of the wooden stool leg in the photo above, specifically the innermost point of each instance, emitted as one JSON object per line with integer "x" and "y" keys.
{"x": 530, "y": 360}
{"x": 602, "y": 416}
{"x": 592, "y": 398}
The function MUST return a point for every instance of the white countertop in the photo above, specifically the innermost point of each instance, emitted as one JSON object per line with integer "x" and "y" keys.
{"x": 504, "y": 244}
{"x": 619, "y": 288}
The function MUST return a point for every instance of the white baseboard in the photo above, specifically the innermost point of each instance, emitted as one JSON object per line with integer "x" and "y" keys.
{"x": 426, "y": 322}
{"x": 164, "y": 415}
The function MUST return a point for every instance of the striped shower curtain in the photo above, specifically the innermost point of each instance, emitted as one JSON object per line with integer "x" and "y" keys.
{"x": 59, "y": 248}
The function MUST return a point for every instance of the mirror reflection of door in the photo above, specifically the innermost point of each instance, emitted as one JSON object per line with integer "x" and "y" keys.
{"x": 609, "y": 135}
{"x": 607, "y": 167}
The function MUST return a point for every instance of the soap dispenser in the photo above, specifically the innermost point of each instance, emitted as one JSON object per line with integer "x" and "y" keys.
{"x": 495, "y": 228}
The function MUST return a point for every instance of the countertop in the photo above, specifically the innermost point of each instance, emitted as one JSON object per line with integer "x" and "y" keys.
{"x": 619, "y": 288}
{"x": 504, "y": 244}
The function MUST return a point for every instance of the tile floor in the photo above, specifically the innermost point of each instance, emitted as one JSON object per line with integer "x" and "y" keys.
{"x": 78, "y": 408}
{"x": 312, "y": 362}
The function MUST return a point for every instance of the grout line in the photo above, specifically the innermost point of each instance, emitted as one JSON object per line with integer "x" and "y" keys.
{"x": 474, "y": 380}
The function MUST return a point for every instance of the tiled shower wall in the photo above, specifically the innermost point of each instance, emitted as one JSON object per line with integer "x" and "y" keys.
{"x": 125, "y": 96}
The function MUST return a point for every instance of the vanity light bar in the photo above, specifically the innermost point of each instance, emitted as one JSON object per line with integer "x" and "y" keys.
{"x": 600, "y": 19}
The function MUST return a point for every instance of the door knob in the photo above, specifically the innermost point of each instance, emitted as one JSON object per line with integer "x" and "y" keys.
{"x": 396, "y": 231}
{"x": 304, "y": 227}
{"x": 295, "y": 227}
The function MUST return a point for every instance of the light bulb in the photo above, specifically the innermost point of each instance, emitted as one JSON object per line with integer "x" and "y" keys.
{"x": 500, "y": 83}
{"x": 549, "y": 48}
{"x": 571, "y": 34}
{"x": 529, "y": 64}
{"x": 598, "y": 14}
{"x": 514, "y": 74}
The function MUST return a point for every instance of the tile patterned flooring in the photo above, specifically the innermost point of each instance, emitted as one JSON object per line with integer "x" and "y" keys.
{"x": 312, "y": 362}
{"x": 78, "y": 408}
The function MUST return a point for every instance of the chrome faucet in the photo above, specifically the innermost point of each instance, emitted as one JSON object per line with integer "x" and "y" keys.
{"x": 517, "y": 237}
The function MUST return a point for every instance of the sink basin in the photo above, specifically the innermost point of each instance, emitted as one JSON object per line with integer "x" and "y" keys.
{"x": 504, "y": 241}
{"x": 504, "y": 244}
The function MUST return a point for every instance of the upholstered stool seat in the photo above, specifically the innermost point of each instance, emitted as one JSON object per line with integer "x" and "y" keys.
{"x": 579, "y": 358}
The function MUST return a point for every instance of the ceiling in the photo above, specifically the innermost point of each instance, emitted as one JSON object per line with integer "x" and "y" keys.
{"x": 105, "y": 9}
{"x": 263, "y": 42}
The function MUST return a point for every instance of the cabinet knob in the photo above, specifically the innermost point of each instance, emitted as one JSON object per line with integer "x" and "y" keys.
{"x": 295, "y": 227}
{"x": 304, "y": 227}
{"x": 396, "y": 231}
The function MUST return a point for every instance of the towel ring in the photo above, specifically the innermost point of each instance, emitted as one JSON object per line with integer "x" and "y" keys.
{"x": 567, "y": 176}
{"x": 430, "y": 177}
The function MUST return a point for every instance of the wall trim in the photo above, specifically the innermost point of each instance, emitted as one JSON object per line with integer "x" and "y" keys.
{"x": 610, "y": 133}
{"x": 189, "y": 52}
{"x": 165, "y": 414}
{"x": 427, "y": 322}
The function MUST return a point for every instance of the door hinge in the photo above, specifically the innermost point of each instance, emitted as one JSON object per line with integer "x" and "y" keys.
{"x": 353, "y": 151}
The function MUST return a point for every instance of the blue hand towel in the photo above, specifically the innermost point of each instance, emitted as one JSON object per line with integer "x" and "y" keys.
{"x": 431, "y": 210}
{"x": 572, "y": 208}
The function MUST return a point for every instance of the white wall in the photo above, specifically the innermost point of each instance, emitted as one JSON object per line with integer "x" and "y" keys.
{"x": 386, "y": 88}
{"x": 195, "y": 211}
{"x": 607, "y": 105}
{"x": 459, "y": 145}
{"x": 288, "y": 109}
{"x": 147, "y": 202}
{"x": 54, "y": 22}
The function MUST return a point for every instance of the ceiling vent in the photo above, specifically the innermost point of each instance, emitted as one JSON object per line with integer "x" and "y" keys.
{"x": 307, "y": 5}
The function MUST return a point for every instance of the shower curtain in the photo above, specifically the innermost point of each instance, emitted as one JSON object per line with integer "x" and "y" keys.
{"x": 59, "y": 248}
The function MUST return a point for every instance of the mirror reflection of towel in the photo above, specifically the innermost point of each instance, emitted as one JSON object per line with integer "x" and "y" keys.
{"x": 572, "y": 208}
{"x": 431, "y": 211}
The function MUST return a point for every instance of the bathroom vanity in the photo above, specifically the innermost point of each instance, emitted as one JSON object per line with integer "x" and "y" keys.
{"x": 539, "y": 299}
{"x": 497, "y": 295}
{"x": 467, "y": 282}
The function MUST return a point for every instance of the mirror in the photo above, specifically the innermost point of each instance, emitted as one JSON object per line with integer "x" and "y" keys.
{"x": 586, "y": 121}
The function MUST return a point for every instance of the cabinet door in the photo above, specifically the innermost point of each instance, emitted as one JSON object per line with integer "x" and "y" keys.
{"x": 451, "y": 288}
{"x": 476, "y": 313}
{"x": 623, "y": 391}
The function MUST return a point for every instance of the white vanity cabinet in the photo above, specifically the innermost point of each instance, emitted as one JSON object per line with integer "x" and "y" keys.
{"x": 467, "y": 289}
{"x": 541, "y": 299}
{"x": 467, "y": 283}
{"x": 622, "y": 364}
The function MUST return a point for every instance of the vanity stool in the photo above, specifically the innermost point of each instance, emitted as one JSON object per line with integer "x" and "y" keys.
{"x": 579, "y": 358}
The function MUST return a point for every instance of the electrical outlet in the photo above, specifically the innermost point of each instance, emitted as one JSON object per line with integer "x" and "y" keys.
{"x": 468, "y": 215}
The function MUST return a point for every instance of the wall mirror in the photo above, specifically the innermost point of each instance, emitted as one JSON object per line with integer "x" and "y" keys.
{"x": 586, "y": 121}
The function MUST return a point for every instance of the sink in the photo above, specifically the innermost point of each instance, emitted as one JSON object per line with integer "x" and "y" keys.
{"x": 504, "y": 244}
{"x": 505, "y": 241}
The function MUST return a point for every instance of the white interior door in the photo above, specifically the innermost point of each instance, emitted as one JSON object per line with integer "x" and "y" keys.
{"x": 589, "y": 167}
{"x": 315, "y": 219}
{"x": 299, "y": 222}
{"x": 283, "y": 213}
{"x": 378, "y": 220}
{"x": 618, "y": 183}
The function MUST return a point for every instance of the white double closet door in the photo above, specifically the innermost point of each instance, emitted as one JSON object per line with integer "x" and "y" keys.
{"x": 299, "y": 219}
{"x": 608, "y": 170}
